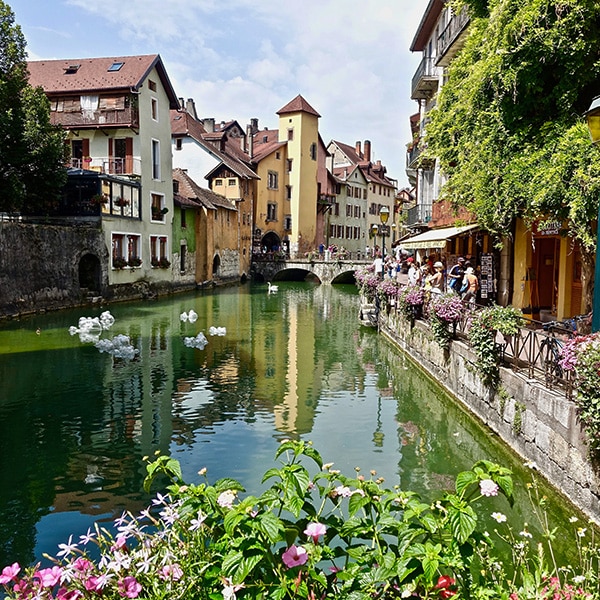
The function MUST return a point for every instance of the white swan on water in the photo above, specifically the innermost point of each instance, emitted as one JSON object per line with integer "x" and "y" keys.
{"x": 272, "y": 288}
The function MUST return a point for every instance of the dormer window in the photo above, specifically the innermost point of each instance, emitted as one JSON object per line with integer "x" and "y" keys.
{"x": 116, "y": 66}
{"x": 71, "y": 69}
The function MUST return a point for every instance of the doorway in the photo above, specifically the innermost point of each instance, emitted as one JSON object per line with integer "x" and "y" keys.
{"x": 546, "y": 261}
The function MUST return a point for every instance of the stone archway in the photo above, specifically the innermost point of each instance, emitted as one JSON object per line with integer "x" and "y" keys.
{"x": 90, "y": 273}
{"x": 271, "y": 241}
{"x": 216, "y": 265}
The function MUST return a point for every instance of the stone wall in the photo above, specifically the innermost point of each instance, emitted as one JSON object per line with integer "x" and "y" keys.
{"x": 39, "y": 265}
{"x": 539, "y": 424}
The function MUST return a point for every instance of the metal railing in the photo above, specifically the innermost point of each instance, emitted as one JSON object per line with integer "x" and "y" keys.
{"x": 533, "y": 351}
{"x": 451, "y": 32}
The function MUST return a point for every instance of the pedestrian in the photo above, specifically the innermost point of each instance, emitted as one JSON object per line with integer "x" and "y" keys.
{"x": 470, "y": 286}
{"x": 414, "y": 272}
{"x": 456, "y": 275}
{"x": 436, "y": 280}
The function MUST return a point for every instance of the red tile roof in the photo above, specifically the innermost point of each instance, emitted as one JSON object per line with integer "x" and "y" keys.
{"x": 189, "y": 189}
{"x": 93, "y": 75}
{"x": 298, "y": 104}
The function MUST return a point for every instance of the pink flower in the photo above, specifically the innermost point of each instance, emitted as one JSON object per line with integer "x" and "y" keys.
{"x": 129, "y": 587}
{"x": 48, "y": 577}
{"x": 173, "y": 572}
{"x": 314, "y": 530}
{"x": 10, "y": 573}
{"x": 82, "y": 565}
{"x": 95, "y": 584}
{"x": 294, "y": 556}
{"x": 120, "y": 544}
{"x": 487, "y": 487}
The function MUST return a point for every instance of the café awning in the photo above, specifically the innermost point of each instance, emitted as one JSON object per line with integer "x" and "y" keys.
{"x": 434, "y": 238}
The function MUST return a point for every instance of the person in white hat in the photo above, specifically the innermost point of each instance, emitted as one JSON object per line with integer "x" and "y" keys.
{"x": 470, "y": 285}
{"x": 436, "y": 280}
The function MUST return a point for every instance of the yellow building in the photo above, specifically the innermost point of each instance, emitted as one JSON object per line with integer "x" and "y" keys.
{"x": 287, "y": 162}
{"x": 547, "y": 271}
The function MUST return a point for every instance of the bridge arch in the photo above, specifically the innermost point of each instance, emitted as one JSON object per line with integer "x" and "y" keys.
{"x": 319, "y": 271}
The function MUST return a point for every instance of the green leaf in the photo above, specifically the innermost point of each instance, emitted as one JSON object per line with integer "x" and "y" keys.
{"x": 227, "y": 483}
{"x": 464, "y": 480}
{"x": 274, "y": 472}
{"x": 356, "y": 502}
{"x": 312, "y": 453}
{"x": 271, "y": 526}
{"x": 463, "y": 523}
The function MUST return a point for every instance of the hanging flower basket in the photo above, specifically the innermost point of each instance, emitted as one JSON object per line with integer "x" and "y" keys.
{"x": 99, "y": 199}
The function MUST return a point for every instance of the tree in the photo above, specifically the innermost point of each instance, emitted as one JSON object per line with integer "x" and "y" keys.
{"x": 32, "y": 169}
{"x": 508, "y": 128}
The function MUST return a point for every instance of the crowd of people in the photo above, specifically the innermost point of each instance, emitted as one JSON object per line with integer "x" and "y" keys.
{"x": 432, "y": 275}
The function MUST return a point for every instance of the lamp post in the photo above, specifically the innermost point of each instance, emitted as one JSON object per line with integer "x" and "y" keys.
{"x": 374, "y": 231}
{"x": 593, "y": 121}
{"x": 384, "y": 215}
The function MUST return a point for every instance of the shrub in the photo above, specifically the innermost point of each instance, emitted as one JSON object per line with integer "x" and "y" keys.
{"x": 482, "y": 336}
{"x": 581, "y": 355}
{"x": 444, "y": 310}
{"x": 313, "y": 533}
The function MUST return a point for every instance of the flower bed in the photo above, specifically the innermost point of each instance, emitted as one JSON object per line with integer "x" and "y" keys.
{"x": 313, "y": 533}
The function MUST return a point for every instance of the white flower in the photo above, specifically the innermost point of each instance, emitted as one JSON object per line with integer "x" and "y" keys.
{"x": 343, "y": 490}
{"x": 573, "y": 520}
{"x": 578, "y": 579}
{"x": 499, "y": 517}
{"x": 226, "y": 499}
{"x": 531, "y": 465}
{"x": 68, "y": 548}
{"x": 197, "y": 522}
{"x": 525, "y": 533}
{"x": 581, "y": 531}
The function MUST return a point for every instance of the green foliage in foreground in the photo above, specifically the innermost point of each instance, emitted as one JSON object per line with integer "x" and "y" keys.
{"x": 314, "y": 533}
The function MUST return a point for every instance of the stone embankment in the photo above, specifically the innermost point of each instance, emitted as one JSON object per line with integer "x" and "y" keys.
{"x": 539, "y": 424}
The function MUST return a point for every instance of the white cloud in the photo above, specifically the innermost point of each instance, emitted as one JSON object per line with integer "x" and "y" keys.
{"x": 240, "y": 59}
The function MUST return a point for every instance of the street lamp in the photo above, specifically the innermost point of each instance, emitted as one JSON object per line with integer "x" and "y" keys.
{"x": 593, "y": 122}
{"x": 384, "y": 215}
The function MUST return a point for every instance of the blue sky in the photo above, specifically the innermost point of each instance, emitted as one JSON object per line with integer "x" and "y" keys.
{"x": 241, "y": 59}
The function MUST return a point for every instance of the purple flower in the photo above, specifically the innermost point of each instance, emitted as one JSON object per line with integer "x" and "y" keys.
{"x": 487, "y": 487}
{"x": 314, "y": 530}
{"x": 294, "y": 556}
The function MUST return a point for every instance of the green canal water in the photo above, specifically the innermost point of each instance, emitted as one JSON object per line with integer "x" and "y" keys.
{"x": 76, "y": 423}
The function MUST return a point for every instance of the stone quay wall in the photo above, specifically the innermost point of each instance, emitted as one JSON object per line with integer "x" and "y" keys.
{"x": 39, "y": 265}
{"x": 539, "y": 424}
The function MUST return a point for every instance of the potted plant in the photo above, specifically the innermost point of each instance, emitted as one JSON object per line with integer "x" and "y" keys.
{"x": 121, "y": 201}
{"x": 119, "y": 262}
{"x": 164, "y": 263}
{"x": 99, "y": 199}
{"x": 135, "y": 261}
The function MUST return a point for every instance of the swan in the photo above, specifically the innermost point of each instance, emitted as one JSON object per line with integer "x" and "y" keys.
{"x": 272, "y": 288}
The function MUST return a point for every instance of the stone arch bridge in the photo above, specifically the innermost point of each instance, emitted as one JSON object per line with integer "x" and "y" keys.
{"x": 288, "y": 269}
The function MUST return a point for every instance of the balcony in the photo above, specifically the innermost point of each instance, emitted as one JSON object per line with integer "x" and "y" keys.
{"x": 110, "y": 165}
{"x": 452, "y": 39}
{"x": 418, "y": 215}
{"x": 110, "y": 112}
{"x": 425, "y": 80}
{"x": 325, "y": 202}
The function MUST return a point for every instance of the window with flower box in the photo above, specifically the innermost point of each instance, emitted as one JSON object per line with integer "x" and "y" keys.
{"x": 159, "y": 245}
{"x": 126, "y": 250}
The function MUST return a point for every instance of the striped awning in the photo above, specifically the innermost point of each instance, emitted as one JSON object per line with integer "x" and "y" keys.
{"x": 434, "y": 238}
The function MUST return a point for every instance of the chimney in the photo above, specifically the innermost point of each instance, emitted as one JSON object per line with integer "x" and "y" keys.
{"x": 254, "y": 124}
{"x": 243, "y": 143}
{"x": 190, "y": 106}
{"x": 358, "y": 151}
{"x": 250, "y": 136}
{"x": 181, "y": 103}
{"x": 209, "y": 125}
{"x": 368, "y": 150}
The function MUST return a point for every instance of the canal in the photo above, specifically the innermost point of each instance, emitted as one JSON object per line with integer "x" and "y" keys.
{"x": 75, "y": 423}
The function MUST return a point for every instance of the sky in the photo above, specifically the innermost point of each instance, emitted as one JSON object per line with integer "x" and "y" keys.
{"x": 243, "y": 59}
